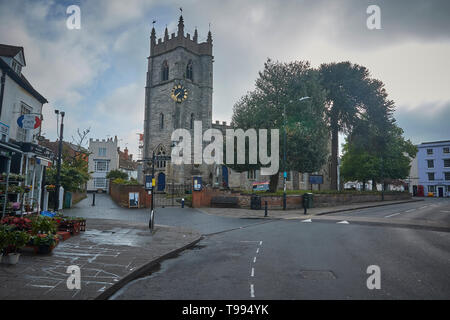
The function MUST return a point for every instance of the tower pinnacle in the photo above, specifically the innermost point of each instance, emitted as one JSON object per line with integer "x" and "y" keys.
{"x": 181, "y": 27}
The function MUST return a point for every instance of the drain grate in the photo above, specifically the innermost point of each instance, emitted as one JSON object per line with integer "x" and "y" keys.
{"x": 317, "y": 275}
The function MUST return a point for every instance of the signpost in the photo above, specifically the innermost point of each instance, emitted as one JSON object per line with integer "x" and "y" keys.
{"x": 316, "y": 179}
{"x": 29, "y": 121}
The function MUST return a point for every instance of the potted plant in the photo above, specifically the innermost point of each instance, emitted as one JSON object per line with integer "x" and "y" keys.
{"x": 3, "y": 241}
{"x": 16, "y": 240}
{"x": 43, "y": 225}
{"x": 45, "y": 243}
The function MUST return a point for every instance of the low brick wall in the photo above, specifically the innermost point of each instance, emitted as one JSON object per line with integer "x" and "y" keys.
{"x": 203, "y": 199}
{"x": 78, "y": 196}
{"x": 120, "y": 194}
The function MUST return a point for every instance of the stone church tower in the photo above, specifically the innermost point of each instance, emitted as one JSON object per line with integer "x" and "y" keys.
{"x": 178, "y": 92}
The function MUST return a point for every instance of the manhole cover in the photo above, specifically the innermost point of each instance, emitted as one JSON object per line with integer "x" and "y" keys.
{"x": 317, "y": 274}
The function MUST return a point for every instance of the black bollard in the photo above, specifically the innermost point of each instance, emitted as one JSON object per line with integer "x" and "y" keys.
{"x": 182, "y": 202}
{"x": 265, "y": 208}
{"x": 93, "y": 199}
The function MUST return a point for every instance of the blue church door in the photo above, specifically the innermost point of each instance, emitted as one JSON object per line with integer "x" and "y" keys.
{"x": 161, "y": 181}
{"x": 224, "y": 176}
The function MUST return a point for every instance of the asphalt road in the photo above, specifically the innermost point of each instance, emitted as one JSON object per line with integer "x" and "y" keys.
{"x": 431, "y": 209}
{"x": 291, "y": 259}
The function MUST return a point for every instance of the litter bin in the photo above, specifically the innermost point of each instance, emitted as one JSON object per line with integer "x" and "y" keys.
{"x": 255, "y": 202}
{"x": 308, "y": 200}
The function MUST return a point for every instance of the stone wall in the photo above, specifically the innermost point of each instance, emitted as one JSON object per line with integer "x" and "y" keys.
{"x": 120, "y": 194}
{"x": 203, "y": 199}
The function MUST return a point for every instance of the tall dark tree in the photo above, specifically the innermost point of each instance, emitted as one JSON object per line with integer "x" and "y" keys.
{"x": 350, "y": 92}
{"x": 279, "y": 86}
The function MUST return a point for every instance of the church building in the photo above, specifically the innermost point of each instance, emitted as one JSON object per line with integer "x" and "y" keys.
{"x": 178, "y": 91}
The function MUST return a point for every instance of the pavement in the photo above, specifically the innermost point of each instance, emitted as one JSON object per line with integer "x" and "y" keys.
{"x": 110, "y": 253}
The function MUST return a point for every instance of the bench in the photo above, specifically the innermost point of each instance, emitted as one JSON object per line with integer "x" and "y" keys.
{"x": 224, "y": 202}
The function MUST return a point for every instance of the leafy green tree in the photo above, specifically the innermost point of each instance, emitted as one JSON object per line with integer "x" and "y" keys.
{"x": 279, "y": 86}
{"x": 351, "y": 95}
{"x": 117, "y": 174}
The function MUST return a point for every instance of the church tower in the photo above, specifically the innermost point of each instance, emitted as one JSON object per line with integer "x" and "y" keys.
{"x": 177, "y": 93}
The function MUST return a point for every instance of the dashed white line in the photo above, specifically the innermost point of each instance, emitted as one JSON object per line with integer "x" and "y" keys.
{"x": 254, "y": 259}
{"x": 391, "y": 215}
{"x": 260, "y": 243}
{"x": 411, "y": 210}
{"x": 257, "y": 251}
{"x": 252, "y": 291}
{"x": 253, "y": 272}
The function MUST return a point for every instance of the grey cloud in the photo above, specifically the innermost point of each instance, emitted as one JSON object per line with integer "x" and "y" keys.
{"x": 426, "y": 122}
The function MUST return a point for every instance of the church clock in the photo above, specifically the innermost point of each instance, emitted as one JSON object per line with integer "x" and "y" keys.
{"x": 179, "y": 93}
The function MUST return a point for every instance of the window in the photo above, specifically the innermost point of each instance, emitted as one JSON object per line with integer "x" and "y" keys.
{"x": 165, "y": 71}
{"x": 446, "y": 150}
{"x": 430, "y": 163}
{"x": 100, "y": 183}
{"x": 192, "y": 121}
{"x": 431, "y": 188}
{"x": 189, "y": 73}
{"x": 429, "y": 151}
{"x": 161, "y": 163}
{"x": 447, "y": 176}
{"x": 251, "y": 174}
{"x": 161, "y": 121}
{"x": 430, "y": 176}
{"x": 22, "y": 133}
{"x": 448, "y": 188}
{"x": 446, "y": 163}
{"x": 101, "y": 166}
{"x": 102, "y": 152}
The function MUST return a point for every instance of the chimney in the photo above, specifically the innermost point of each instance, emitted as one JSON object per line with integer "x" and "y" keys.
{"x": 125, "y": 151}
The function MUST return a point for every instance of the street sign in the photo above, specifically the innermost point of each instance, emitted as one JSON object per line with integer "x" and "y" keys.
{"x": 316, "y": 179}
{"x": 148, "y": 182}
{"x": 29, "y": 121}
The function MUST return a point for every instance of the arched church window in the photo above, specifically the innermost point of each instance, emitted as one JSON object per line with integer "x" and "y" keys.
{"x": 165, "y": 71}
{"x": 189, "y": 71}
{"x": 161, "y": 121}
{"x": 161, "y": 163}
{"x": 192, "y": 121}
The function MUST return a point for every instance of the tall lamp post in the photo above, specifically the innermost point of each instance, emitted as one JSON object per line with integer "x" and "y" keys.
{"x": 58, "y": 166}
{"x": 284, "y": 152}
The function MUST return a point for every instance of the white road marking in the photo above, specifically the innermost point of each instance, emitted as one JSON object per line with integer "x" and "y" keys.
{"x": 254, "y": 259}
{"x": 411, "y": 210}
{"x": 445, "y": 211}
{"x": 252, "y": 291}
{"x": 343, "y": 222}
{"x": 253, "y": 272}
{"x": 391, "y": 215}
{"x": 257, "y": 251}
{"x": 307, "y": 220}
{"x": 260, "y": 243}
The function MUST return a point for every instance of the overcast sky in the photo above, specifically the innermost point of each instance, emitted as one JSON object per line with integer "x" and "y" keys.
{"x": 97, "y": 74}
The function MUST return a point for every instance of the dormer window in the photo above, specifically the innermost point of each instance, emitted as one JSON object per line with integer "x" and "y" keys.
{"x": 189, "y": 71}
{"x": 165, "y": 71}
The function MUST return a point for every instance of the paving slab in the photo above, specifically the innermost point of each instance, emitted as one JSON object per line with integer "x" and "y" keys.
{"x": 110, "y": 253}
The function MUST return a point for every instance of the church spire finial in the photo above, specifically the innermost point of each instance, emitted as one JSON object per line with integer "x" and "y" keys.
{"x": 166, "y": 34}
{"x": 153, "y": 35}
{"x": 209, "y": 40}
{"x": 181, "y": 24}
{"x": 195, "y": 35}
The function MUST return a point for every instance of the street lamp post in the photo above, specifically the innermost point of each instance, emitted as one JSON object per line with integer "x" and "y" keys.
{"x": 58, "y": 167}
{"x": 284, "y": 152}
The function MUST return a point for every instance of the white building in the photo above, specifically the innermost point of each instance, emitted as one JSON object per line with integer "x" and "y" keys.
{"x": 19, "y": 150}
{"x": 103, "y": 157}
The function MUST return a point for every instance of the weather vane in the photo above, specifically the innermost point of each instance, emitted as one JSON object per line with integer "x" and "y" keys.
{"x": 181, "y": 10}
{"x": 154, "y": 21}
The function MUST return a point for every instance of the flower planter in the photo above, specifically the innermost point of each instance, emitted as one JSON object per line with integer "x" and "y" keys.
{"x": 12, "y": 258}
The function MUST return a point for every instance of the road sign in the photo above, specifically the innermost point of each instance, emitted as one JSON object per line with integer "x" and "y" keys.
{"x": 29, "y": 121}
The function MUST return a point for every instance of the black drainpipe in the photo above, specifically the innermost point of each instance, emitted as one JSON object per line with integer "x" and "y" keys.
{"x": 2, "y": 90}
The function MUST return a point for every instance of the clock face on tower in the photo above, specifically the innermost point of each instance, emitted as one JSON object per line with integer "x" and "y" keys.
{"x": 179, "y": 93}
